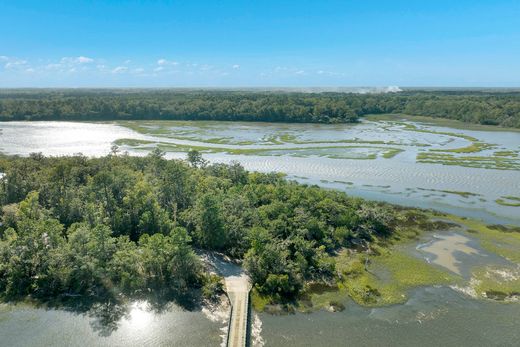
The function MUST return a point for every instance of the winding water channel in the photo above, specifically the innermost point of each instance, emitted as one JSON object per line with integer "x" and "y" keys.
{"x": 379, "y": 160}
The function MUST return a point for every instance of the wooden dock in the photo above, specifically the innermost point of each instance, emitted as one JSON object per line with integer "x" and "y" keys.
{"x": 237, "y": 288}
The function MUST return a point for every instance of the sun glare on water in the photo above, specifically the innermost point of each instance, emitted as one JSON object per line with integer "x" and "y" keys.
{"x": 139, "y": 316}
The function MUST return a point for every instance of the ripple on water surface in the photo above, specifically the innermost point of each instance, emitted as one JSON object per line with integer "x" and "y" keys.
{"x": 431, "y": 317}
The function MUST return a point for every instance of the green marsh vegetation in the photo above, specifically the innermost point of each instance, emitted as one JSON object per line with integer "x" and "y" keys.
{"x": 513, "y": 154}
{"x": 454, "y": 192}
{"x": 382, "y": 272}
{"x": 385, "y": 274}
{"x": 204, "y": 133}
{"x": 333, "y": 152}
{"x": 475, "y": 146}
{"x": 492, "y": 282}
{"x": 500, "y": 160}
{"x": 483, "y": 162}
{"x": 437, "y": 121}
{"x": 509, "y": 201}
{"x": 497, "y": 283}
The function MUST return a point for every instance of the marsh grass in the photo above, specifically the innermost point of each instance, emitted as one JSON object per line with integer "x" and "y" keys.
{"x": 391, "y": 275}
{"x": 512, "y": 201}
{"x": 513, "y": 154}
{"x": 497, "y": 283}
{"x": 454, "y": 192}
{"x": 502, "y": 240}
{"x": 441, "y": 122}
{"x": 325, "y": 151}
{"x": 481, "y": 162}
{"x": 391, "y": 272}
{"x": 473, "y": 148}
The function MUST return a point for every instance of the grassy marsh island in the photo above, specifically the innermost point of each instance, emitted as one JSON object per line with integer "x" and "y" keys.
{"x": 509, "y": 201}
{"x": 385, "y": 274}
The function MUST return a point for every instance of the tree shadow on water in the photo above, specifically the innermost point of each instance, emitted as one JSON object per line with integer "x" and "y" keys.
{"x": 107, "y": 316}
{"x": 106, "y": 313}
{"x": 188, "y": 301}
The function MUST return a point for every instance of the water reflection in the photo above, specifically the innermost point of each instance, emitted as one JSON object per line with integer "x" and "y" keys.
{"x": 431, "y": 317}
{"x": 140, "y": 315}
{"x": 399, "y": 179}
{"x": 107, "y": 324}
{"x": 105, "y": 318}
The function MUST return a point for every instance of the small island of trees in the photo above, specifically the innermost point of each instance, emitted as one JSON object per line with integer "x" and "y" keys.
{"x": 121, "y": 225}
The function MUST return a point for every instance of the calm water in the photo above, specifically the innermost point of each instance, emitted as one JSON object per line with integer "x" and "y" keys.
{"x": 431, "y": 317}
{"x": 296, "y": 149}
{"x": 23, "y": 326}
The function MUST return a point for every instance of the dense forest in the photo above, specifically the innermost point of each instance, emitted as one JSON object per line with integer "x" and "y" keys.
{"x": 481, "y": 107}
{"x": 122, "y": 225}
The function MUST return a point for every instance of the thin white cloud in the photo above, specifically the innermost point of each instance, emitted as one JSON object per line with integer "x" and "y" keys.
{"x": 99, "y": 67}
{"x": 13, "y": 63}
{"x": 120, "y": 69}
{"x": 84, "y": 60}
{"x": 285, "y": 71}
{"x": 68, "y": 64}
{"x": 329, "y": 73}
{"x": 52, "y": 66}
{"x": 164, "y": 62}
{"x": 76, "y": 60}
{"x": 205, "y": 67}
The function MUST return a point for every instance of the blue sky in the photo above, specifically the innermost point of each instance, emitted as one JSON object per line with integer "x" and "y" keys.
{"x": 259, "y": 43}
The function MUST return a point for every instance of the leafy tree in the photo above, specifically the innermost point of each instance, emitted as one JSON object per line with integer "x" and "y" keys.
{"x": 209, "y": 225}
{"x": 195, "y": 158}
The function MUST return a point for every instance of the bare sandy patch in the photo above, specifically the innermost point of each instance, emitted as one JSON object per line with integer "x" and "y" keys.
{"x": 444, "y": 248}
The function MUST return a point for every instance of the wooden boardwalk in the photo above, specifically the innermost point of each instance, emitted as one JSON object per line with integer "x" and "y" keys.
{"x": 237, "y": 288}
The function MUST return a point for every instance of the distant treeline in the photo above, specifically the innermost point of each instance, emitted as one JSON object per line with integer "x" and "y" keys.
{"x": 480, "y": 107}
